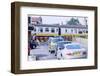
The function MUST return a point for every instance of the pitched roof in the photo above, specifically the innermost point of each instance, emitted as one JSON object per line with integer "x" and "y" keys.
{"x": 62, "y": 26}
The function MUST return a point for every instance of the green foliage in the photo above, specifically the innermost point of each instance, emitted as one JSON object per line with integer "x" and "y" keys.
{"x": 73, "y": 21}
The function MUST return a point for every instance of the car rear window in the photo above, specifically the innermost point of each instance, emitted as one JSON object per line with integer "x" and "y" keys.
{"x": 73, "y": 47}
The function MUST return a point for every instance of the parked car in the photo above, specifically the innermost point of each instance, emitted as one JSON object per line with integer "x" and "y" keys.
{"x": 60, "y": 43}
{"x": 33, "y": 44}
{"x": 52, "y": 43}
{"x": 63, "y": 43}
{"x": 71, "y": 51}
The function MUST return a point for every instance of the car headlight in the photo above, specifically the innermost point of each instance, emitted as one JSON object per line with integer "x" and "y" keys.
{"x": 52, "y": 44}
{"x": 52, "y": 47}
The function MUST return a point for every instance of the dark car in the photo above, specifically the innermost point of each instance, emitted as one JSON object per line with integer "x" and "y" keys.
{"x": 33, "y": 44}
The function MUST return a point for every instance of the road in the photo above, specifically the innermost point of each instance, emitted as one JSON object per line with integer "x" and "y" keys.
{"x": 41, "y": 52}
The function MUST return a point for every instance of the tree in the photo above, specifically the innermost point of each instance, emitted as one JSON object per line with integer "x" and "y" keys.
{"x": 73, "y": 21}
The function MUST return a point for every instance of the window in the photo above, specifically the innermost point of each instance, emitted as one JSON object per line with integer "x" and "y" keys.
{"x": 30, "y": 28}
{"x": 75, "y": 30}
{"x": 80, "y": 32}
{"x": 41, "y": 29}
{"x": 47, "y": 29}
{"x": 57, "y": 29}
{"x": 65, "y": 30}
{"x": 71, "y": 30}
{"x": 83, "y": 31}
{"x": 52, "y": 30}
{"x": 86, "y": 31}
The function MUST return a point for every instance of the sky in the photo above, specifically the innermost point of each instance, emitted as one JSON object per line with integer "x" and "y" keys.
{"x": 59, "y": 19}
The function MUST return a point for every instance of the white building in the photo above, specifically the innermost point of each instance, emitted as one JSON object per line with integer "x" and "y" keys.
{"x": 45, "y": 29}
{"x": 74, "y": 29}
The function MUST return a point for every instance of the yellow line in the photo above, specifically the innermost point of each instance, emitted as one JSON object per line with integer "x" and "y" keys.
{"x": 74, "y": 35}
{"x": 46, "y": 34}
{"x": 62, "y": 35}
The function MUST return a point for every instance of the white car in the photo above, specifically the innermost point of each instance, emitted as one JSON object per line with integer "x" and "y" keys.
{"x": 60, "y": 43}
{"x": 63, "y": 42}
{"x": 52, "y": 43}
{"x": 71, "y": 51}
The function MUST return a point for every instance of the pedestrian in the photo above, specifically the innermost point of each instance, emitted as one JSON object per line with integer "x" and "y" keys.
{"x": 34, "y": 37}
{"x": 38, "y": 42}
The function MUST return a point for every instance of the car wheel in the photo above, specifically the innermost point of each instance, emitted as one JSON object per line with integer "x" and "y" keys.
{"x": 58, "y": 58}
{"x": 61, "y": 54}
{"x": 55, "y": 54}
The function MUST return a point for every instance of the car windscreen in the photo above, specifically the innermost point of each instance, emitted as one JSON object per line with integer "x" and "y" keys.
{"x": 73, "y": 47}
{"x": 62, "y": 43}
{"x": 56, "y": 40}
{"x": 65, "y": 42}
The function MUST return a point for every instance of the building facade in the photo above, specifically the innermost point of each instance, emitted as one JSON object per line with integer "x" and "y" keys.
{"x": 44, "y": 31}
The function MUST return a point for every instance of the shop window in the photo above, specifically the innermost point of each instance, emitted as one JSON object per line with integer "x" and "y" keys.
{"x": 46, "y": 29}
{"x": 65, "y": 30}
{"x": 86, "y": 31}
{"x": 75, "y": 30}
{"x": 52, "y": 30}
{"x": 41, "y": 29}
{"x": 57, "y": 29}
{"x": 80, "y": 32}
{"x": 71, "y": 30}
